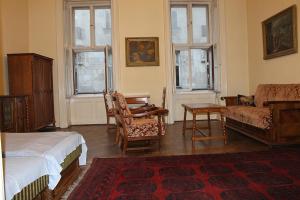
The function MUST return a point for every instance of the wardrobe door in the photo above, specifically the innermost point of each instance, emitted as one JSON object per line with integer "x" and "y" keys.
{"x": 38, "y": 90}
{"x": 48, "y": 92}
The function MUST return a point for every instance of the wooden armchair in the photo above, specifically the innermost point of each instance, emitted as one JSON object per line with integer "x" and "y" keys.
{"x": 138, "y": 126}
{"x": 108, "y": 106}
{"x": 163, "y": 105}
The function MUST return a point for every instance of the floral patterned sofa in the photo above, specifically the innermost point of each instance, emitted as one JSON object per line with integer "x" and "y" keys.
{"x": 273, "y": 118}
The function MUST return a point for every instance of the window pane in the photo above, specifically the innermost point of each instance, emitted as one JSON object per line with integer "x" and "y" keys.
{"x": 102, "y": 26}
{"x": 179, "y": 24}
{"x": 90, "y": 68}
{"x": 200, "y": 25}
{"x": 82, "y": 27}
{"x": 199, "y": 69}
{"x": 109, "y": 69}
{"x": 182, "y": 69}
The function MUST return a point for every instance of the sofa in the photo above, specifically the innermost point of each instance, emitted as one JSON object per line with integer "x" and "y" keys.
{"x": 273, "y": 118}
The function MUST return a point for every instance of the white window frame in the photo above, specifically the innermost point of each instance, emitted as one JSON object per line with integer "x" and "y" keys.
{"x": 70, "y": 46}
{"x": 190, "y": 45}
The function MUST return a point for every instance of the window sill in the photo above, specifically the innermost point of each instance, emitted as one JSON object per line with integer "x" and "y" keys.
{"x": 81, "y": 96}
{"x": 195, "y": 92}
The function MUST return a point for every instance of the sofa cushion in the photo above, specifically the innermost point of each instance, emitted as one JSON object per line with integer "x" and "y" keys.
{"x": 258, "y": 117}
{"x": 276, "y": 92}
{"x": 245, "y": 100}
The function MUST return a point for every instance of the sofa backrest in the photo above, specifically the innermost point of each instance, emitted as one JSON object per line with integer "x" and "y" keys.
{"x": 276, "y": 92}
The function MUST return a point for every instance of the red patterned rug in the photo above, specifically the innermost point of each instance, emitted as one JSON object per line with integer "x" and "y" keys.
{"x": 271, "y": 174}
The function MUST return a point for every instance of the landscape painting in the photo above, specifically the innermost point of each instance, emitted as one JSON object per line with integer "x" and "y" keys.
{"x": 280, "y": 34}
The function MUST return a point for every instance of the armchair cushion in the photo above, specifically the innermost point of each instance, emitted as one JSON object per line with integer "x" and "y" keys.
{"x": 258, "y": 117}
{"x": 144, "y": 127}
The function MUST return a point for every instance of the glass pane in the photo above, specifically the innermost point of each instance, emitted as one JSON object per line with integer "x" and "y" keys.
{"x": 90, "y": 72}
{"x": 199, "y": 69}
{"x": 102, "y": 26}
{"x": 109, "y": 69}
{"x": 182, "y": 69}
{"x": 200, "y": 25}
{"x": 82, "y": 27}
{"x": 179, "y": 25}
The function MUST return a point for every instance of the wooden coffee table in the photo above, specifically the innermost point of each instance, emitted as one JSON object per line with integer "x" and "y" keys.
{"x": 203, "y": 109}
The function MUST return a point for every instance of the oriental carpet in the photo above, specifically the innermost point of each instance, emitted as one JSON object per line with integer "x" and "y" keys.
{"x": 265, "y": 175}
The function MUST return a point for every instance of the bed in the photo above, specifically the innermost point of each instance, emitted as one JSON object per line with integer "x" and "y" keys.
{"x": 25, "y": 177}
{"x": 64, "y": 153}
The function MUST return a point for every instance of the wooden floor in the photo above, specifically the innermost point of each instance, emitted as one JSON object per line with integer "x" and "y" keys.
{"x": 100, "y": 142}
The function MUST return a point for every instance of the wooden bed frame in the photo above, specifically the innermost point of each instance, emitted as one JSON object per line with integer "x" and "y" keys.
{"x": 16, "y": 120}
{"x": 68, "y": 176}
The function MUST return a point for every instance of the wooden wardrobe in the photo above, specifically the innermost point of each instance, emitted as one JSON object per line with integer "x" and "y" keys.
{"x": 31, "y": 74}
{"x": 14, "y": 114}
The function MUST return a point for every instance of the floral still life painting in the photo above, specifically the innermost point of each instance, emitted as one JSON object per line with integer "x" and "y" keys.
{"x": 142, "y": 51}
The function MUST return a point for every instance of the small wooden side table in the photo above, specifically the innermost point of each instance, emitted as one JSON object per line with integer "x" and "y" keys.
{"x": 200, "y": 109}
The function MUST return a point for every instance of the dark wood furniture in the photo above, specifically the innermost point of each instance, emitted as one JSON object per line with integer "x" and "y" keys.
{"x": 137, "y": 112}
{"x": 31, "y": 74}
{"x": 108, "y": 106}
{"x": 203, "y": 109}
{"x": 138, "y": 100}
{"x": 163, "y": 104}
{"x": 14, "y": 114}
{"x": 68, "y": 176}
{"x": 138, "y": 127}
{"x": 285, "y": 127}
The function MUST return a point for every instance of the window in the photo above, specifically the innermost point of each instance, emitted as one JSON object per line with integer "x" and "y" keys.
{"x": 193, "y": 55}
{"x": 91, "y": 48}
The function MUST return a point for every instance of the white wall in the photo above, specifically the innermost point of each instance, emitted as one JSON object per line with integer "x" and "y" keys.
{"x": 283, "y": 69}
{"x": 43, "y": 22}
{"x": 13, "y": 36}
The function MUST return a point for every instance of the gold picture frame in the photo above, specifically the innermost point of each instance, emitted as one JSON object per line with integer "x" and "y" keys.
{"x": 280, "y": 34}
{"x": 142, "y": 51}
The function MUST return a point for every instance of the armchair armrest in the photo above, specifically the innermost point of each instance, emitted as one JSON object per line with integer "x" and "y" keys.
{"x": 230, "y": 100}
{"x": 156, "y": 111}
{"x": 143, "y": 108}
{"x": 285, "y": 118}
{"x": 286, "y": 104}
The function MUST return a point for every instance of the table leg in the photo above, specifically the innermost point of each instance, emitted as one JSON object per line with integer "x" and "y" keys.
{"x": 194, "y": 131}
{"x": 208, "y": 123}
{"x": 184, "y": 121}
{"x": 224, "y": 129}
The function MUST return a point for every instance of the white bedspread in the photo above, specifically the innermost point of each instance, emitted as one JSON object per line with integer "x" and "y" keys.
{"x": 21, "y": 171}
{"x": 54, "y": 146}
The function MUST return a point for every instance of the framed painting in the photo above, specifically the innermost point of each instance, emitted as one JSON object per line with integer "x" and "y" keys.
{"x": 280, "y": 33}
{"x": 142, "y": 51}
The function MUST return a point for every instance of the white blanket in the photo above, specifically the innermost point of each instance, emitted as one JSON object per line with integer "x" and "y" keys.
{"x": 21, "y": 171}
{"x": 54, "y": 146}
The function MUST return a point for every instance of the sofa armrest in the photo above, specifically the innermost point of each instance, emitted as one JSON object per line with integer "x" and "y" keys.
{"x": 281, "y": 103}
{"x": 230, "y": 100}
{"x": 285, "y": 118}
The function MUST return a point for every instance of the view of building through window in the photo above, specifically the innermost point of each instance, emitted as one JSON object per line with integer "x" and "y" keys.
{"x": 91, "y": 48}
{"x": 191, "y": 42}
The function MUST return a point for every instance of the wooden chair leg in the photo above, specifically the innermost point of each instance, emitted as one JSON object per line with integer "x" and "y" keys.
{"x": 107, "y": 120}
{"x": 117, "y": 135}
{"x": 159, "y": 145}
{"x": 125, "y": 144}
